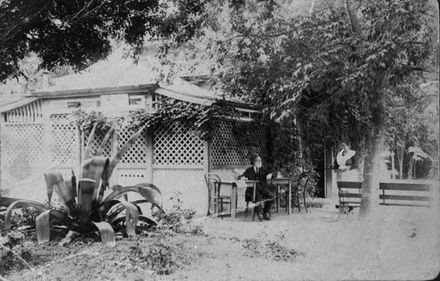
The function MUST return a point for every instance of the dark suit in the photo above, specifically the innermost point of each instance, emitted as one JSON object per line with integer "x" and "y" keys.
{"x": 262, "y": 190}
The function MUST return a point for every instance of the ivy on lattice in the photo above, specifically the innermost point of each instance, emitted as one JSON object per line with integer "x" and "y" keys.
{"x": 232, "y": 144}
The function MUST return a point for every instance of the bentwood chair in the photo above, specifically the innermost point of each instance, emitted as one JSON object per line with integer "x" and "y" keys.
{"x": 215, "y": 198}
{"x": 300, "y": 193}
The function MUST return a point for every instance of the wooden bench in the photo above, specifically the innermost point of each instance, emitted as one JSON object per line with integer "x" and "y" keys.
{"x": 392, "y": 194}
{"x": 349, "y": 193}
{"x": 405, "y": 194}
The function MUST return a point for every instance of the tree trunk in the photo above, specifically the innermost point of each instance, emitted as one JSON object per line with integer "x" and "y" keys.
{"x": 410, "y": 169}
{"x": 351, "y": 12}
{"x": 370, "y": 184}
{"x": 400, "y": 156}
{"x": 392, "y": 165}
{"x": 373, "y": 158}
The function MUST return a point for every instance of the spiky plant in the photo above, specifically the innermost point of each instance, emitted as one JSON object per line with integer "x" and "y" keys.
{"x": 88, "y": 209}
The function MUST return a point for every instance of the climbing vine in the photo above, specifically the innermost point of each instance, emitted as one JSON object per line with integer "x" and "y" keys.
{"x": 203, "y": 118}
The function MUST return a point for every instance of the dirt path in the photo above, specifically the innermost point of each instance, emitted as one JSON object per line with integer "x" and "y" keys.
{"x": 400, "y": 244}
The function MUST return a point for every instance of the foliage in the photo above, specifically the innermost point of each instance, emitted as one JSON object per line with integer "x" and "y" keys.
{"x": 169, "y": 111}
{"x": 164, "y": 256}
{"x": 79, "y": 32}
{"x": 271, "y": 249}
{"x": 409, "y": 125}
{"x": 202, "y": 118}
{"x": 177, "y": 219}
{"x": 334, "y": 77}
{"x": 14, "y": 252}
{"x": 26, "y": 217}
{"x": 87, "y": 208}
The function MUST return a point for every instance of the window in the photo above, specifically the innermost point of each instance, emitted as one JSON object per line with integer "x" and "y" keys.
{"x": 134, "y": 101}
{"x": 73, "y": 104}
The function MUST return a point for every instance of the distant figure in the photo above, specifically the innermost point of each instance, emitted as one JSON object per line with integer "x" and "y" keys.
{"x": 257, "y": 172}
{"x": 345, "y": 165}
{"x": 346, "y": 159}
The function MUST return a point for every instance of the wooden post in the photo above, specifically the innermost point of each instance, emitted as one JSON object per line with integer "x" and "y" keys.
{"x": 150, "y": 156}
{"x": 392, "y": 164}
{"x": 207, "y": 157}
{"x": 328, "y": 172}
{"x": 233, "y": 201}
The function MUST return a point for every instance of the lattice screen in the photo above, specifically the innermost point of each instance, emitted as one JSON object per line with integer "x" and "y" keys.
{"x": 22, "y": 145}
{"x": 64, "y": 137}
{"x": 97, "y": 140}
{"x": 178, "y": 145}
{"x": 229, "y": 150}
{"x": 137, "y": 154}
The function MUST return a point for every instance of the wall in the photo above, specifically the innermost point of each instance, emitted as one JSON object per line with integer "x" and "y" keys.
{"x": 189, "y": 182}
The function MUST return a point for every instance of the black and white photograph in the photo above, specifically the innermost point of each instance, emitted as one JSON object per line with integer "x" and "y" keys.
{"x": 245, "y": 140}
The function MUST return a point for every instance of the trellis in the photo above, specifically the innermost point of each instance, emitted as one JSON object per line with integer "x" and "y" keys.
{"x": 178, "y": 145}
{"x": 137, "y": 154}
{"x": 64, "y": 136}
{"x": 23, "y": 145}
{"x": 96, "y": 142}
{"x": 228, "y": 149}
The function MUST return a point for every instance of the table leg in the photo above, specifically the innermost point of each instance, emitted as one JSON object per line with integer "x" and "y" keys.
{"x": 289, "y": 198}
{"x": 278, "y": 198}
{"x": 233, "y": 205}
{"x": 253, "y": 199}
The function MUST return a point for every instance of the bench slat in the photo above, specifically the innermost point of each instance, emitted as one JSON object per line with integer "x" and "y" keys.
{"x": 349, "y": 184}
{"x": 350, "y": 202}
{"x": 408, "y": 205}
{"x": 404, "y": 186}
{"x": 350, "y": 195}
{"x": 405, "y": 197}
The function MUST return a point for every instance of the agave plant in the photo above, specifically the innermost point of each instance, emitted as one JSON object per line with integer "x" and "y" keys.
{"x": 88, "y": 208}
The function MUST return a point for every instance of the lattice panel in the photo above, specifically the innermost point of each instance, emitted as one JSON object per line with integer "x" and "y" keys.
{"x": 65, "y": 141}
{"x": 137, "y": 154}
{"x": 178, "y": 145}
{"x": 97, "y": 140}
{"x": 22, "y": 145}
{"x": 230, "y": 150}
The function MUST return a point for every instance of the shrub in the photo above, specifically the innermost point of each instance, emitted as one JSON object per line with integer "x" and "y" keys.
{"x": 178, "y": 218}
{"x": 163, "y": 255}
{"x": 271, "y": 249}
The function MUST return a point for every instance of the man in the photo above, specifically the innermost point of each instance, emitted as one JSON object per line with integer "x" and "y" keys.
{"x": 257, "y": 172}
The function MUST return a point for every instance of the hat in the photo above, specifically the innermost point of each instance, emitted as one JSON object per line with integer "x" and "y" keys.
{"x": 253, "y": 157}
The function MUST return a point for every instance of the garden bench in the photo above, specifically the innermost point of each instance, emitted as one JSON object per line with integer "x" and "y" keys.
{"x": 405, "y": 194}
{"x": 392, "y": 194}
{"x": 349, "y": 193}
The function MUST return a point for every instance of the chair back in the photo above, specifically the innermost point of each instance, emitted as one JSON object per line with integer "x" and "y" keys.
{"x": 213, "y": 182}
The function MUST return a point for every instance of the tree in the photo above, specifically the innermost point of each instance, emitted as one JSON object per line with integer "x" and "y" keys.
{"x": 79, "y": 32}
{"x": 408, "y": 125}
{"x": 336, "y": 80}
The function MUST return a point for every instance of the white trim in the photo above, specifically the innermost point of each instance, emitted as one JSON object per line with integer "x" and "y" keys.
{"x": 17, "y": 104}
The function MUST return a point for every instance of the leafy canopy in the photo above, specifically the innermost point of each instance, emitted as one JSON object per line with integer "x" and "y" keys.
{"x": 79, "y": 32}
{"x": 335, "y": 79}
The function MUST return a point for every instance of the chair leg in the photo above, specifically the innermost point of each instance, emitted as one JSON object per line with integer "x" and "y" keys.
{"x": 246, "y": 210}
{"x": 221, "y": 208}
{"x": 305, "y": 205}
{"x": 256, "y": 211}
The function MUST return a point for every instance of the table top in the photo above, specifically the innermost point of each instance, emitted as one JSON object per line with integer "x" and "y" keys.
{"x": 234, "y": 182}
{"x": 281, "y": 180}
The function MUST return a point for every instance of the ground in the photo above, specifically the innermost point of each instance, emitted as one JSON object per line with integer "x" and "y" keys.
{"x": 401, "y": 243}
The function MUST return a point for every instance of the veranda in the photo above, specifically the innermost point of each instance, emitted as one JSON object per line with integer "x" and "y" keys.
{"x": 38, "y": 135}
